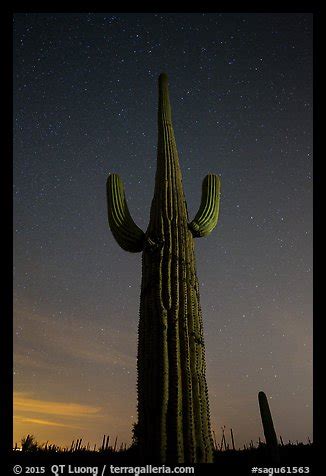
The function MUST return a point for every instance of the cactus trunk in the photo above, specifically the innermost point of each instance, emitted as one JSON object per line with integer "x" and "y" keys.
{"x": 173, "y": 409}
{"x": 268, "y": 427}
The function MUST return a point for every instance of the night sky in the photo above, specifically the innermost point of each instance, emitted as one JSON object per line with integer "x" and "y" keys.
{"x": 85, "y": 105}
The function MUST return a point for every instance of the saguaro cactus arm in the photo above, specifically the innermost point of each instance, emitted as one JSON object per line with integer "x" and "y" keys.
{"x": 206, "y": 219}
{"x": 127, "y": 234}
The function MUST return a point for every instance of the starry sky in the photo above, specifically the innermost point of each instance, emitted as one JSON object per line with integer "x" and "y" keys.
{"x": 85, "y": 104}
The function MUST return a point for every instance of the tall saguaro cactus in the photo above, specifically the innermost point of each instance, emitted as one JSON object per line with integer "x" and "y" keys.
{"x": 173, "y": 409}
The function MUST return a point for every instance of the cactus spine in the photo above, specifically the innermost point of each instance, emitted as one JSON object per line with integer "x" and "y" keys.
{"x": 173, "y": 409}
{"x": 268, "y": 427}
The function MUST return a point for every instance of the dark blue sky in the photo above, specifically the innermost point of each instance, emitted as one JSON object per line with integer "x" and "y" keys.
{"x": 85, "y": 105}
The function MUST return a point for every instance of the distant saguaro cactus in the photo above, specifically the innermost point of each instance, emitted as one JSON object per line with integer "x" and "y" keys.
{"x": 173, "y": 410}
{"x": 268, "y": 427}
